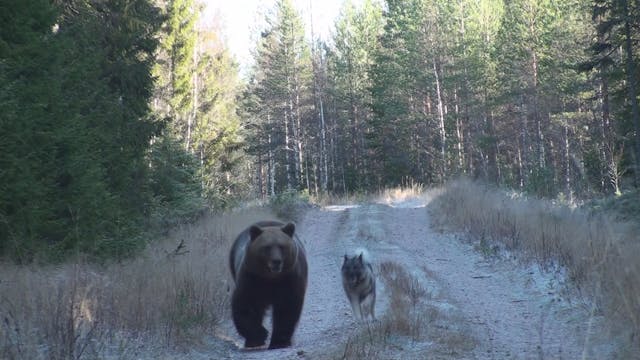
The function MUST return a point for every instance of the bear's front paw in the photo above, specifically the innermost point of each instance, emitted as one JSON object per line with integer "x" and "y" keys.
{"x": 253, "y": 343}
{"x": 258, "y": 340}
{"x": 279, "y": 344}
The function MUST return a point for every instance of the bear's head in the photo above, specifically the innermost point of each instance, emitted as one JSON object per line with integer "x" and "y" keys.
{"x": 272, "y": 250}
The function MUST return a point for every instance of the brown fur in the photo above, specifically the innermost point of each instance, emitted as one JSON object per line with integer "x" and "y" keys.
{"x": 269, "y": 267}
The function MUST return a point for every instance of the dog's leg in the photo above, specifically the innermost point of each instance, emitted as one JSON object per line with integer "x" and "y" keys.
{"x": 368, "y": 304}
{"x": 355, "y": 306}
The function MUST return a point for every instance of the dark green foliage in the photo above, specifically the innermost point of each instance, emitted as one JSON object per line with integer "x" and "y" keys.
{"x": 278, "y": 113}
{"x": 625, "y": 207}
{"x": 349, "y": 64}
{"x": 175, "y": 184}
{"x": 179, "y": 45}
{"x": 196, "y": 91}
{"x": 541, "y": 183}
{"x": 216, "y": 132}
{"x": 488, "y": 89}
{"x": 616, "y": 55}
{"x": 76, "y": 127}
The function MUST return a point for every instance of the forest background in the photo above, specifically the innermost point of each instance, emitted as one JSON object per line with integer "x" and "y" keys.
{"x": 122, "y": 118}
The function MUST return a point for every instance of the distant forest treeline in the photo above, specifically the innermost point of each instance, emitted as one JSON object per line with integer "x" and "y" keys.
{"x": 537, "y": 95}
{"x": 119, "y": 118}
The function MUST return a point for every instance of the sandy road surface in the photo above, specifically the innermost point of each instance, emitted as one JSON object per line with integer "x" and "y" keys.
{"x": 501, "y": 310}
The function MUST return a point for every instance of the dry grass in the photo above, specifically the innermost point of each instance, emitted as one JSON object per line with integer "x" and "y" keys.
{"x": 600, "y": 255}
{"x": 400, "y": 193}
{"x": 386, "y": 196}
{"x": 412, "y": 326}
{"x": 170, "y": 296}
{"x": 325, "y": 199}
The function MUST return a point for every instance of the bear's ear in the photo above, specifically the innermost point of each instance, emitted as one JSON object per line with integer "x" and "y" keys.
{"x": 254, "y": 232}
{"x": 289, "y": 229}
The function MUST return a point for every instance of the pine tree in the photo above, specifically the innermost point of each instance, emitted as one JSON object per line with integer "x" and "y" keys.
{"x": 283, "y": 86}
{"x": 410, "y": 92}
{"x": 349, "y": 64}
{"x": 27, "y": 137}
{"x": 617, "y": 20}
{"x": 176, "y": 71}
{"x": 216, "y": 130}
{"x": 391, "y": 128}
{"x": 474, "y": 83}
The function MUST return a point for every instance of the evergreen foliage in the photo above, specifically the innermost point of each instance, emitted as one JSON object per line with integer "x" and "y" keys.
{"x": 90, "y": 167}
{"x": 350, "y": 62}
{"x": 122, "y": 117}
{"x": 279, "y": 113}
{"x": 76, "y": 125}
{"x": 427, "y": 90}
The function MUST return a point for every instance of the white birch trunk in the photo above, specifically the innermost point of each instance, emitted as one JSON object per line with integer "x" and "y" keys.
{"x": 443, "y": 134}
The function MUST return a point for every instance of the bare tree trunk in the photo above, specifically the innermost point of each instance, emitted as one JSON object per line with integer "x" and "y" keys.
{"x": 287, "y": 145}
{"x": 567, "y": 166}
{"x": 443, "y": 134}
{"x": 462, "y": 98}
{"x": 271, "y": 168}
{"x": 299, "y": 166}
{"x": 317, "y": 94}
{"x": 492, "y": 152}
{"x": 523, "y": 161}
{"x": 355, "y": 148}
{"x": 632, "y": 89}
{"x": 306, "y": 177}
{"x": 259, "y": 174}
{"x": 608, "y": 145}
{"x": 536, "y": 113}
{"x": 324, "y": 170}
{"x": 202, "y": 166}
{"x": 459, "y": 136}
{"x": 194, "y": 110}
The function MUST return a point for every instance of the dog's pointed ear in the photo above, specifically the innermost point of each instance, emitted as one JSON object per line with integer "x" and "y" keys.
{"x": 289, "y": 229}
{"x": 254, "y": 232}
{"x": 345, "y": 258}
{"x": 360, "y": 258}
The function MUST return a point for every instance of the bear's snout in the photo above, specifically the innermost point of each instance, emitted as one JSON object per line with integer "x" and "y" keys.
{"x": 275, "y": 266}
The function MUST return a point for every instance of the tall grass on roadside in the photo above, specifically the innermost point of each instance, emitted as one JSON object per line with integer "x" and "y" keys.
{"x": 601, "y": 256}
{"x": 171, "y": 295}
{"x": 397, "y": 194}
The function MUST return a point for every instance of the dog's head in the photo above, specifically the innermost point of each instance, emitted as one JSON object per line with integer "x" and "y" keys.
{"x": 354, "y": 270}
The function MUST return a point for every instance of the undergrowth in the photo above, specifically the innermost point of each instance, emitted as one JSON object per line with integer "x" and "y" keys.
{"x": 173, "y": 294}
{"x": 599, "y": 253}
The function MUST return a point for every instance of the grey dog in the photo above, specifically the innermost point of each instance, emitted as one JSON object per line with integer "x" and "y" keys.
{"x": 359, "y": 284}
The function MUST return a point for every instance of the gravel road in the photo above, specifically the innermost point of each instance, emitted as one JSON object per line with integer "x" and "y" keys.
{"x": 488, "y": 307}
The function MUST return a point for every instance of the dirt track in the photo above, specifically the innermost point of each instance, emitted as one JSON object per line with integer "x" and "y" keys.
{"x": 490, "y": 309}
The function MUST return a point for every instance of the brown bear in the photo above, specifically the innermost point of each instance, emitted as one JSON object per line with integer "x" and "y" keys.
{"x": 269, "y": 268}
